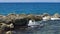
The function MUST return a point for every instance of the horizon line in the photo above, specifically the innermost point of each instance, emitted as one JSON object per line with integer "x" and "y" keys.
{"x": 29, "y": 2}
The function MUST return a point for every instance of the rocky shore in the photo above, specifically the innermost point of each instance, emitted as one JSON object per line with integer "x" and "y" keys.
{"x": 12, "y": 21}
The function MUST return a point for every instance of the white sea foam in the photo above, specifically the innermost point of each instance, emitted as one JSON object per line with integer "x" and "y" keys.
{"x": 46, "y": 19}
{"x": 33, "y": 23}
{"x": 55, "y": 18}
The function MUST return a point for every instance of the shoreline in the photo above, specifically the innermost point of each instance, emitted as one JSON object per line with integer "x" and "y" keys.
{"x": 16, "y": 21}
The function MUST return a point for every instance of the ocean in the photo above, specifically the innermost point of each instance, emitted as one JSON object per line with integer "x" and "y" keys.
{"x": 29, "y": 8}
{"x": 51, "y": 27}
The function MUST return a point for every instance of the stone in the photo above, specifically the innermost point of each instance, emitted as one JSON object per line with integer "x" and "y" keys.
{"x": 56, "y": 15}
{"x": 9, "y": 32}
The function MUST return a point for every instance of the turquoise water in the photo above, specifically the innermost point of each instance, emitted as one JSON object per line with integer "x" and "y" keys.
{"x": 28, "y": 8}
{"x": 51, "y": 27}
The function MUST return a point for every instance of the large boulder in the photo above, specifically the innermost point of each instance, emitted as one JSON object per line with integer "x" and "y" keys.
{"x": 38, "y": 18}
{"x": 31, "y": 17}
{"x": 56, "y": 15}
{"x": 12, "y": 16}
{"x": 47, "y": 18}
{"x": 5, "y": 26}
{"x": 2, "y": 18}
{"x": 9, "y": 32}
{"x": 34, "y": 17}
{"x": 21, "y": 22}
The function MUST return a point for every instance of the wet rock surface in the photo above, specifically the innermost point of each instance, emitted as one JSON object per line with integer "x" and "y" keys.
{"x": 13, "y": 21}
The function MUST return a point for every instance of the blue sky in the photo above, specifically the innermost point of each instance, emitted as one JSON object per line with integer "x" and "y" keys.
{"x": 29, "y": 0}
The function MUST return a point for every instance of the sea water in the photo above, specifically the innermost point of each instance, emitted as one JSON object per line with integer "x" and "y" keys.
{"x": 29, "y": 8}
{"x": 50, "y": 27}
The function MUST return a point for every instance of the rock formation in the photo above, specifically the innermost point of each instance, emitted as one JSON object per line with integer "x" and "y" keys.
{"x": 19, "y": 20}
{"x": 9, "y": 32}
{"x": 56, "y": 15}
